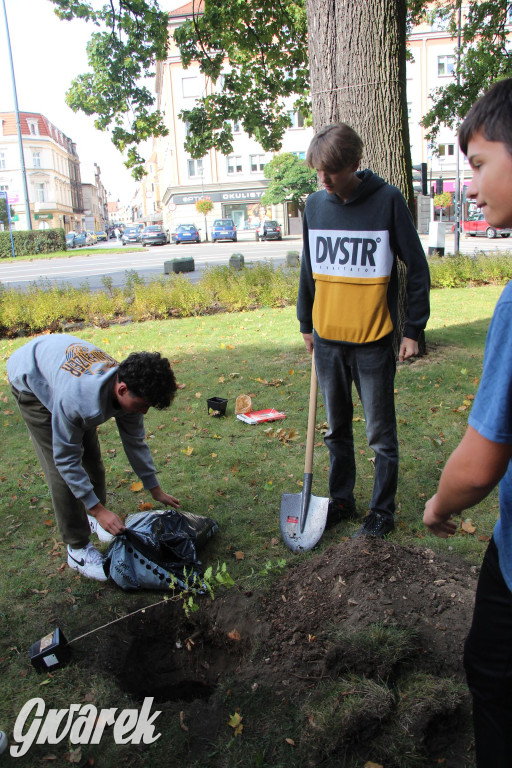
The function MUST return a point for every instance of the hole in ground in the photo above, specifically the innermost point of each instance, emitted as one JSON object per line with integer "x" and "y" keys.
{"x": 169, "y": 657}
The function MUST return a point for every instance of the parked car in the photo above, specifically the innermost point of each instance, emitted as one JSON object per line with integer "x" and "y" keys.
{"x": 154, "y": 235}
{"x": 131, "y": 235}
{"x": 223, "y": 229}
{"x": 101, "y": 235}
{"x": 270, "y": 230}
{"x": 186, "y": 233}
{"x": 80, "y": 239}
{"x": 477, "y": 225}
{"x": 70, "y": 240}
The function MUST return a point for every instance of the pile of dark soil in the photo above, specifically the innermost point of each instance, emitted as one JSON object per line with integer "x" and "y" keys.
{"x": 357, "y": 651}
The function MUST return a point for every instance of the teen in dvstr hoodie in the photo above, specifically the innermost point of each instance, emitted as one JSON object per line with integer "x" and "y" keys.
{"x": 354, "y": 231}
{"x": 65, "y": 388}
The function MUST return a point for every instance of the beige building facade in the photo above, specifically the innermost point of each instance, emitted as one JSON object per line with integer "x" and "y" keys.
{"x": 52, "y": 169}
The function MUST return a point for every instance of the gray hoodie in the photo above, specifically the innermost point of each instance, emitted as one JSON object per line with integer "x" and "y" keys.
{"x": 73, "y": 379}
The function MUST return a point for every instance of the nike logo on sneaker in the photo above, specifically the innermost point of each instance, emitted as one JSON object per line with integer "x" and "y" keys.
{"x": 78, "y": 562}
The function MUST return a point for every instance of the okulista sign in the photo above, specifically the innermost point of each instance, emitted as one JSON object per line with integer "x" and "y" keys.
{"x": 81, "y": 724}
{"x": 240, "y": 195}
{"x": 350, "y": 253}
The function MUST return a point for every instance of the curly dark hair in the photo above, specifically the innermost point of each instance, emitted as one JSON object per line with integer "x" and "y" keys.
{"x": 150, "y": 376}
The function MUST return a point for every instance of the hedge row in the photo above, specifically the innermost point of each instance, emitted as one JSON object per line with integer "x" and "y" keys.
{"x": 31, "y": 242}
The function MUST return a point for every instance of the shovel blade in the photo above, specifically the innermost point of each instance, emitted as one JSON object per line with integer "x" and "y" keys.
{"x": 314, "y": 526}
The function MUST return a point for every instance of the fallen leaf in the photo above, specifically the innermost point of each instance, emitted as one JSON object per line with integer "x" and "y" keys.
{"x": 188, "y": 451}
{"x": 235, "y": 722}
{"x": 468, "y": 526}
{"x": 144, "y": 506}
{"x": 182, "y": 723}
{"x": 48, "y": 522}
{"x": 137, "y": 486}
{"x": 75, "y": 755}
{"x": 198, "y": 395}
{"x": 369, "y": 764}
{"x": 234, "y": 635}
{"x": 239, "y": 555}
{"x": 290, "y": 742}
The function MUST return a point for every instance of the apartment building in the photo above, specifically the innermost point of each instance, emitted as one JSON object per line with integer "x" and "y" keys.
{"x": 234, "y": 183}
{"x": 52, "y": 171}
{"x": 95, "y": 201}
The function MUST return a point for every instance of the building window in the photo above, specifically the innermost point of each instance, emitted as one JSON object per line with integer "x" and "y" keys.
{"x": 446, "y": 150}
{"x": 33, "y": 126}
{"x": 195, "y": 168}
{"x": 300, "y": 155}
{"x": 235, "y": 125}
{"x": 445, "y": 65}
{"x": 40, "y": 193}
{"x": 2, "y": 160}
{"x": 234, "y": 164}
{"x": 297, "y": 119}
{"x": 509, "y": 14}
{"x": 4, "y": 188}
{"x": 190, "y": 86}
{"x": 36, "y": 159}
{"x": 257, "y": 163}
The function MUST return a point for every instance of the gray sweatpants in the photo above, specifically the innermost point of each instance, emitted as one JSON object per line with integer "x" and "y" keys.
{"x": 70, "y": 512}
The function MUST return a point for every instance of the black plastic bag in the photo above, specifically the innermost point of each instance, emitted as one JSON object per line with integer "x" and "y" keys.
{"x": 158, "y": 550}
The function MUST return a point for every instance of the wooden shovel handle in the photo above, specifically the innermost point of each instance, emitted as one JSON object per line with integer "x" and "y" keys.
{"x": 310, "y": 438}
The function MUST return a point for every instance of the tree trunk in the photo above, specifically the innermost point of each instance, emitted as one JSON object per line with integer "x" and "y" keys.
{"x": 357, "y": 54}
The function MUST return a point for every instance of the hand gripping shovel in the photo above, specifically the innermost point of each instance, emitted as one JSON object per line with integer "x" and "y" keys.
{"x": 303, "y": 516}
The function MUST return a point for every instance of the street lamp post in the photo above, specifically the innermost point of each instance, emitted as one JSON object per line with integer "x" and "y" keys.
{"x": 18, "y": 124}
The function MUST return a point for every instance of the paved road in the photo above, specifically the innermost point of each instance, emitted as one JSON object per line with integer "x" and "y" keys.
{"x": 148, "y": 263}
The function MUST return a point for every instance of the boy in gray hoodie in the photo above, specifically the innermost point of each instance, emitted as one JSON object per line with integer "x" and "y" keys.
{"x": 354, "y": 231}
{"x": 65, "y": 388}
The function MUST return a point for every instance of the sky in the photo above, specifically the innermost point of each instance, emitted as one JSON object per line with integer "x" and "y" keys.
{"x": 47, "y": 54}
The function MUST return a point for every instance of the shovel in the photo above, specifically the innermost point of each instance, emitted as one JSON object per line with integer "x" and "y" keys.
{"x": 303, "y": 516}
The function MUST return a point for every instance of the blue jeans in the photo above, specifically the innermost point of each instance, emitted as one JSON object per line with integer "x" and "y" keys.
{"x": 488, "y": 664}
{"x": 372, "y": 369}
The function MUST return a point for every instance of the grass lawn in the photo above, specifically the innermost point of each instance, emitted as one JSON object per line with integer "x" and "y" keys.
{"x": 225, "y": 469}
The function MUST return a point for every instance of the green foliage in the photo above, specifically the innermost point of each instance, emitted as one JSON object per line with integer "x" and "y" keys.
{"x": 254, "y": 52}
{"x": 483, "y": 58}
{"x": 443, "y": 200}
{"x": 290, "y": 180}
{"x": 260, "y": 49}
{"x": 204, "y": 205}
{"x": 31, "y": 242}
{"x": 133, "y": 36}
{"x": 48, "y": 308}
{"x": 4, "y": 218}
{"x": 457, "y": 271}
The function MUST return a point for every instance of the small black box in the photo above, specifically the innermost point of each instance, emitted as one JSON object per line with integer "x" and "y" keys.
{"x": 51, "y": 652}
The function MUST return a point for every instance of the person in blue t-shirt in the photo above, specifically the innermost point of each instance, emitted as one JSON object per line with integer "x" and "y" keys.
{"x": 483, "y": 457}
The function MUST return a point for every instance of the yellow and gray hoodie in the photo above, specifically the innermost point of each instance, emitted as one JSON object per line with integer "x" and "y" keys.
{"x": 348, "y": 288}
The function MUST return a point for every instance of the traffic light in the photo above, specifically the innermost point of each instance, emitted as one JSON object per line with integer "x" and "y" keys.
{"x": 422, "y": 168}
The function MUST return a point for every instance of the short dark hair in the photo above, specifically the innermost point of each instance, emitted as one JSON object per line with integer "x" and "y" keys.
{"x": 491, "y": 116}
{"x": 334, "y": 148}
{"x": 150, "y": 376}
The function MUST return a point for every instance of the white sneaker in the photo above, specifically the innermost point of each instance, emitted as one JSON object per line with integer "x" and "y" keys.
{"x": 96, "y": 528}
{"x": 87, "y": 561}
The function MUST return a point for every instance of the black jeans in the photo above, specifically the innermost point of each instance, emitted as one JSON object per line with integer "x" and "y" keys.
{"x": 488, "y": 663}
{"x": 371, "y": 367}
